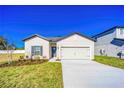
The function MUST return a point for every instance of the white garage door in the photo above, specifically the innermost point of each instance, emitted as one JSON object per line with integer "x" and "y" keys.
{"x": 75, "y": 53}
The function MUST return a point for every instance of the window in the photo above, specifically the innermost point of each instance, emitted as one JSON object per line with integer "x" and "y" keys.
{"x": 36, "y": 50}
{"x": 121, "y": 31}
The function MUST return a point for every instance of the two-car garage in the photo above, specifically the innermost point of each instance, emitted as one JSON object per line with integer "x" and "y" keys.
{"x": 75, "y": 46}
{"x": 75, "y": 53}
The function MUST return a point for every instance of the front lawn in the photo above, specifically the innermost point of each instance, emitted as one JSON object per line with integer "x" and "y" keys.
{"x": 45, "y": 75}
{"x": 112, "y": 61}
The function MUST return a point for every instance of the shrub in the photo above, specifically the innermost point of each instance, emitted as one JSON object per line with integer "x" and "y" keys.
{"x": 27, "y": 57}
{"x": 21, "y": 58}
{"x": 44, "y": 57}
{"x": 58, "y": 60}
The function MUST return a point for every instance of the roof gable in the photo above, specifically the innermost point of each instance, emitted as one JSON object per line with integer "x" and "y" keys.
{"x": 77, "y": 34}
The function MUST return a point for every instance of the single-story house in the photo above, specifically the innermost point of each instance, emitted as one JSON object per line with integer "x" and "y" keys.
{"x": 73, "y": 46}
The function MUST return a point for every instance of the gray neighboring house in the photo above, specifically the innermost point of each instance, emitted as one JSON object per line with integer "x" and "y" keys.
{"x": 110, "y": 42}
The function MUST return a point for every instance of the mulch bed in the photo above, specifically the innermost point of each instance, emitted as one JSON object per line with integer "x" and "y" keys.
{"x": 24, "y": 62}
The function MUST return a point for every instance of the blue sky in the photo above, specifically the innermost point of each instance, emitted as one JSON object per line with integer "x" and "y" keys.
{"x": 18, "y": 22}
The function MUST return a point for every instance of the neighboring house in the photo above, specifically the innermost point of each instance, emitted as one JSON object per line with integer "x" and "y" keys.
{"x": 110, "y": 42}
{"x": 73, "y": 46}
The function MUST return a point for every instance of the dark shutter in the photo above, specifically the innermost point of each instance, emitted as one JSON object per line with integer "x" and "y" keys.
{"x": 41, "y": 50}
{"x": 32, "y": 50}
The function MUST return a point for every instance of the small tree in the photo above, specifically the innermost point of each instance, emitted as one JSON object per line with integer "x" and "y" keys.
{"x": 5, "y": 45}
{"x": 10, "y": 49}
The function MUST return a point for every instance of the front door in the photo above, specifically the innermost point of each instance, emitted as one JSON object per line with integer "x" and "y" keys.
{"x": 53, "y": 51}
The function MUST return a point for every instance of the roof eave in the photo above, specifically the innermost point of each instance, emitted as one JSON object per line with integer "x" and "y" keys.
{"x": 35, "y": 35}
{"x": 108, "y": 30}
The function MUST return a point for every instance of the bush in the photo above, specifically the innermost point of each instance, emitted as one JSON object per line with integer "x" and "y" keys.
{"x": 27, "y": 57}
{"x": 58, "y": 60}
{"x": 21, "y": 58}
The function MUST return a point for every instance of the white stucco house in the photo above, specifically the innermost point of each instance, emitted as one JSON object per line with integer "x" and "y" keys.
{"x": 110, "y": 42}
{"x": 73, "y": 46}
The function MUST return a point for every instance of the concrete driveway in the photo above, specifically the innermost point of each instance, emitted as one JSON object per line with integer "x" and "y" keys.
{"x": 90, "y": 74}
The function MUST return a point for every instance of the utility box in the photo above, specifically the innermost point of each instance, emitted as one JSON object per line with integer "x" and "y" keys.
{"x": 122, "y": 55}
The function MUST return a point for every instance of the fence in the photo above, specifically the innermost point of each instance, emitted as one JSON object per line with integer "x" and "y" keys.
{"x": 13, "y": 51}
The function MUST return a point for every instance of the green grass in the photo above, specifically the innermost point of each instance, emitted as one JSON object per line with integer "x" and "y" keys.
{"x": 112, "y": 61}
{"x": 4, "y": 57}
{"x": 46, "y": 75}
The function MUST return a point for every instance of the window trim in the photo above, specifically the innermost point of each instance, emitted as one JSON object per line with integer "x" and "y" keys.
{"x": 121, "y": 32}
{"x": 33, "y": 51}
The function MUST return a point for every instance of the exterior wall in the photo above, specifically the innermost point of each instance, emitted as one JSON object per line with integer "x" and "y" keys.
{"x": 75, "y": 40}
{"x": 105, "y": 43}
{"x": 110, "y": 50}
{"x": 118, "y": 35}
{"x": 36, "y": 41}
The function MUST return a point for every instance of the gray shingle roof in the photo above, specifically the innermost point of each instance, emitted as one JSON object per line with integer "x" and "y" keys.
{"x": 55, "y": 39}
{"x": 52, "y": 39}
{"x": 35, "y": 35}
{"x": 107, "y": 30}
